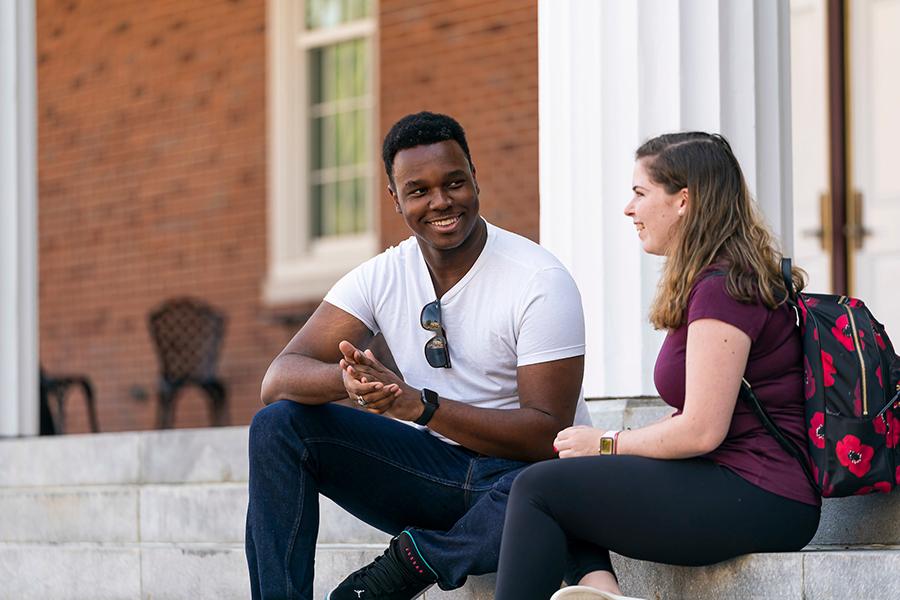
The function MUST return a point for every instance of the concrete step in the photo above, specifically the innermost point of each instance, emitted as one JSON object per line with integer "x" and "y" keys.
{"x": 122, "y": 571}
{"x": 214, "y": 512}
{"x": 186, "y": 513}
{"x": 161, "y": 515}
{"x": 873, "y": 574}
{"x": 177, "y": 571}
{"x": 63, "y": 484}
{"x": 173, "y": 456}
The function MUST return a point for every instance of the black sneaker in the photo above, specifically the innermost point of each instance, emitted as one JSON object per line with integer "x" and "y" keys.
{"x": 398, "y": 574}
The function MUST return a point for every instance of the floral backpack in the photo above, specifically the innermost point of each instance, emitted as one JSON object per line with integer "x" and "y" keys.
{"x": 852, "y": 391}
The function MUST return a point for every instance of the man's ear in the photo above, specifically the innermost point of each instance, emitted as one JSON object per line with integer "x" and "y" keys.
{"x": 393, "y": 194}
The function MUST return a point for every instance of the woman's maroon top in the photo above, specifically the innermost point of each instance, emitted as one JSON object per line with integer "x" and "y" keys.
{"x": 775, "y": 372}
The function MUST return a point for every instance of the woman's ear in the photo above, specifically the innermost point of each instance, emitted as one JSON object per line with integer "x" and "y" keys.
{"x": 683, "y": 201}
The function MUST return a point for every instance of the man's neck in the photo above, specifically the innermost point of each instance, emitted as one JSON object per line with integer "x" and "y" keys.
{"x": 447, "y": 267}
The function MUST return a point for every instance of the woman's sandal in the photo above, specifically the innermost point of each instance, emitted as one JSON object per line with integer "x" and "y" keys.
{"x": 583, "y": 592}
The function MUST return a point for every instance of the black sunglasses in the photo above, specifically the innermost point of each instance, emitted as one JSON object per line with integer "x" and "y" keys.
{"x": 437, "y": 353}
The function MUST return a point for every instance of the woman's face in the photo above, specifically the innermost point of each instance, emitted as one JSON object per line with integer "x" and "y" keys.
{"x": 654, "y": 211}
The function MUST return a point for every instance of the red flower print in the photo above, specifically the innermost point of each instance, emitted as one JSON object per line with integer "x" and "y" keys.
{"x": 854, "y": 455}
{"x": 878, "y": 374}
{"x": 844, "y": 334}
{"x": 803, "y": 311}
{"x": 894, "y": 431}
{"x": 816, "y": 334}
{"x": 883, "y": 487}
{"x": 809, "y": 380}
{"x": 854, "y": 302}
{"x": 817, "y": 430}
{"x": 828, "y": 369}
{"x": 826, "y": 487}
{"x": 888, "y": 425}
{"x": 879, "y": 340}
{"x": 811, "y": 301}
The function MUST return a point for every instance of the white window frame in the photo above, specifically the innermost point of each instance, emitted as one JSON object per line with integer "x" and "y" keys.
{"x": 301, "y": 268}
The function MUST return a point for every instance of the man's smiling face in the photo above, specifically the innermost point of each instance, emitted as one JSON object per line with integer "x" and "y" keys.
{"x": 436, "y": 192}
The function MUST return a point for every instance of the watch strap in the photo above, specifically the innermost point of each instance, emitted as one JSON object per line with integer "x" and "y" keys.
{"x": 430, "y": 402}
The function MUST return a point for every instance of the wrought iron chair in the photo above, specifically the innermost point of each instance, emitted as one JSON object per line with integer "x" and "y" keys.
{"x": 53, "y": 421}
{"x": 188, "y": 334}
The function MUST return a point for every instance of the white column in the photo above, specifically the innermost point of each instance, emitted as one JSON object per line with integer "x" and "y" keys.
{"x": 613, "y": 74}
{"x": 18, "y": 221}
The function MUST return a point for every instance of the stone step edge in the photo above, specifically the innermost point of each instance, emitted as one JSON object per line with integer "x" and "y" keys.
{"x": 114, "y": 487}
{"x": 354, "y": 547}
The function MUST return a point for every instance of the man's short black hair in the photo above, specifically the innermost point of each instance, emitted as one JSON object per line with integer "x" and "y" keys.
{"x": 421, "y": 129}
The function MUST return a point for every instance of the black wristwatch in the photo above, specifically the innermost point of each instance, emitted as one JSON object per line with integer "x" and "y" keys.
{"x": 430, "y": 401}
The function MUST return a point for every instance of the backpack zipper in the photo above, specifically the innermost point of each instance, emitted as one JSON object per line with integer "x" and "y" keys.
{"x": 862, "y": 362}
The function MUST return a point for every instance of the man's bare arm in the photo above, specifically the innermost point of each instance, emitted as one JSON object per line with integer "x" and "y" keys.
{"x": 548, "y": 394}
{"x": 307, "y": 370}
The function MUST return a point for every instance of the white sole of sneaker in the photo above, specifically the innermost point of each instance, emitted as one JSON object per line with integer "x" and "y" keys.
{"x": 419, "y": 595}
{"x": 583, "y": 592}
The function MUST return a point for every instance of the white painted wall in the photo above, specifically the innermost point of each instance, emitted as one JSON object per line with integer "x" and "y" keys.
{"x": 18, "y": 221}
{"x": 613, "y": 74}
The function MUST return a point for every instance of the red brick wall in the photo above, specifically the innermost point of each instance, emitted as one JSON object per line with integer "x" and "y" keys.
{"x": 152, "y": 184}
{"x": 152, "y": 172}
{"x": 477, "y": 61}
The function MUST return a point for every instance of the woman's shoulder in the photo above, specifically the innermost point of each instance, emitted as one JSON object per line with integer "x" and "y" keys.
{"x": 710, "y": 299}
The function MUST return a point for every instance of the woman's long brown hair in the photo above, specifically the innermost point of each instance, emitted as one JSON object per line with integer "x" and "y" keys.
{"x": 721, "y": 226}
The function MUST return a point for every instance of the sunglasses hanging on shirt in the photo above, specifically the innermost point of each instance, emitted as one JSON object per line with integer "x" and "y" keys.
{"x": 437, "y": 353}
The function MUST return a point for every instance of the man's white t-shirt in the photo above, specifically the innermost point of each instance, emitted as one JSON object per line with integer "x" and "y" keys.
{"x": 517, "y": 306}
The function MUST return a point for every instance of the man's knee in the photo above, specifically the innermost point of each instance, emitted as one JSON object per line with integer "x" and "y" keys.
{"x": 280, "y": 418}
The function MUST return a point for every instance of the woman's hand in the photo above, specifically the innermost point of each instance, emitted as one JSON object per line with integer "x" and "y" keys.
{"x": 579, "y": 440}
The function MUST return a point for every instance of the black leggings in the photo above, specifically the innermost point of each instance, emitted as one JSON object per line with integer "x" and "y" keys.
{"x": 564, "y": 516}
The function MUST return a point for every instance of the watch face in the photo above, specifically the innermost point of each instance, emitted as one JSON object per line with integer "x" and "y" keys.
{"x": 606, "y": 445}
{"x": 429, "y": 396}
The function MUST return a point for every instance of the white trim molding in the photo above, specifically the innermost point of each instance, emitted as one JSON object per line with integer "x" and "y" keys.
{"x": 18, "y": 221}
{"x": 302, "y": 268}
{"x": 612, "y": 75}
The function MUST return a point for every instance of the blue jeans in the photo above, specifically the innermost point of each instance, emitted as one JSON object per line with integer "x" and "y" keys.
{"x": 387, "y": 474}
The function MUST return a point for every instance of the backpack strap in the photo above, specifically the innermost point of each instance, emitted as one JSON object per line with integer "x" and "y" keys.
{"x": 788, "y": 279}
{"x": 747, "y": 395}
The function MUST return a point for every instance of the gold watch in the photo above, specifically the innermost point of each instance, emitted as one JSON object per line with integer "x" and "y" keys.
{"x": 608, "y": 442}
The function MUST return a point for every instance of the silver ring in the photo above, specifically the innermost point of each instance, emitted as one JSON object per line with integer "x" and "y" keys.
{"x": 360, "y": 400}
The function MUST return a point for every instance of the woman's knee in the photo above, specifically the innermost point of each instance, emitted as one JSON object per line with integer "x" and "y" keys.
{"x": 534, "y": 481}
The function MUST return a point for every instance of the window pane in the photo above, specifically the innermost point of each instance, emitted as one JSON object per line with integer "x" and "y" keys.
{"x": 329, "y": 208}
{"x": 323, "y": 151}
{"x": 323, "y": 71}
{"x": 346, "y": 202}
{"x": 344, "y": 70}
{"x": 361, "y": 134}
{"x": 361, "y": 69}
{"x": 347, "y": 144}
{"x": 315, "y": 210}
{"x": 328, "y": 13}
{"x": 361, "y": 187}
{"x": 339, "y": 72}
